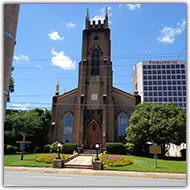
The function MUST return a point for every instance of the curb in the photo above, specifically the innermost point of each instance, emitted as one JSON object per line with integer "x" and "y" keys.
{"x": 73, "y": 171}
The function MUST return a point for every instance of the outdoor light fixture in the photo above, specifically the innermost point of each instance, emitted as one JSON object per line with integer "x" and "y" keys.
{"x": 59, "y": 146}
{"x": 97, "y": 147}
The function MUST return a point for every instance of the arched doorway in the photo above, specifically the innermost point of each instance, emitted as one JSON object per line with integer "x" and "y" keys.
{"x": 92, "y": 134}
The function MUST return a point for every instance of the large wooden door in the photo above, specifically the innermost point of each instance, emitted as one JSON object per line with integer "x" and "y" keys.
{"x": 92, "y": 135}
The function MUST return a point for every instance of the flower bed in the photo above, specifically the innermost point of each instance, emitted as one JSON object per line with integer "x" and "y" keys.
{"x": 48, "y": 158}
{"x": 115, "y": 160}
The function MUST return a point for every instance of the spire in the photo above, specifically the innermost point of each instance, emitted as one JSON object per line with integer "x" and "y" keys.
{"x": 106, "y": 15}
{"x": 57, "y": 88}
{"x": 106, "y": 19}
{"x": 87, "y": 19}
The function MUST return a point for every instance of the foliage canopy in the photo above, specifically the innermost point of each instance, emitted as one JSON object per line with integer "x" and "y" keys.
{"x": 161, "y": 124}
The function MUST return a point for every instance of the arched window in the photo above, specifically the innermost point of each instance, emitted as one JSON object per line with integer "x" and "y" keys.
{"x": 68, "y": 128}
{"x": 122, "y": 125}
{"x": 95, "y": 62}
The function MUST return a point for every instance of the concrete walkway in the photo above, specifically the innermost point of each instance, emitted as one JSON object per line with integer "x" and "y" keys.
{"x": 72, "y": 171}
{"x": 82, "y": 162}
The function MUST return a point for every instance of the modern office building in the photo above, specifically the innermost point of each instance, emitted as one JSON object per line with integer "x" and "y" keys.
{"x": 161, "y": 81}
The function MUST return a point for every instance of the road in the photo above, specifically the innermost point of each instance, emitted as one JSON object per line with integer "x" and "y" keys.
{"x": 46, "y": 179}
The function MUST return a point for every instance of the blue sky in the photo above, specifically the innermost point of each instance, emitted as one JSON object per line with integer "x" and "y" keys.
{"x": 49, "y": 43}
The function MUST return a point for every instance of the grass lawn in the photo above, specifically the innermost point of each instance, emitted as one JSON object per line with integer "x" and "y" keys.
{"x": 143, "y": 164}
{"x": 28, "y": 160}
{"x": 140, "y": 164}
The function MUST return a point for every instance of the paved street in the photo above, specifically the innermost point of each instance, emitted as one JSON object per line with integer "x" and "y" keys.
{"x": 45, "y": 179}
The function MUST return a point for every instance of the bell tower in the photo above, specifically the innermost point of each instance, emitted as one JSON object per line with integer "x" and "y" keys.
{"x": 95, "y": 68}
{"x": 95, "y": 79}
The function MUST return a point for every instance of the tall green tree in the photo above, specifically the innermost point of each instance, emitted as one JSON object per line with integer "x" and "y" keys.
{"x": 33, "y": 124}
{"x": 161, "y": 124}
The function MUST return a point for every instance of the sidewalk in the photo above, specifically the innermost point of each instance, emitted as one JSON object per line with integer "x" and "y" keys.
{"x": 71, "y": 171}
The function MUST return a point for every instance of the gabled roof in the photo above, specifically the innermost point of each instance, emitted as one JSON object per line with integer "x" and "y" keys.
{"x": 123, "y": 93}
{"x": 67, "y": 94}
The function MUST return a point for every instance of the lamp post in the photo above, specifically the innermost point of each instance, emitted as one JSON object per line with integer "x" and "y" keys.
{"x": 97, "y": 147}
{"x": 59, "y": 146}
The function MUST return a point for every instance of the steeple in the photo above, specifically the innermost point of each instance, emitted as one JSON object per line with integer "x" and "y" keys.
{"x": 87, "y": 19}
{"x": 106, "y": 19}
{"x": 57, "y": 88}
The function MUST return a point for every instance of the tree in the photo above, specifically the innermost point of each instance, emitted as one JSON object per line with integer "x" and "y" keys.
{"x": 33, "y": 124}
{"x": 11, "y": 85}
{"x": 161, "y": 124}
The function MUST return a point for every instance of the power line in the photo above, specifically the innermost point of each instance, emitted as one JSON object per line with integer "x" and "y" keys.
{"x": 181, "y": 53}
{"x": 143, "y": 56}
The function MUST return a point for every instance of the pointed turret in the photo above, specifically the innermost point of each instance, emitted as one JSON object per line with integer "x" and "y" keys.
{"x": 57, "y": 88}
{"x": 87, "y": 19}
{"x": 106, "y": 19}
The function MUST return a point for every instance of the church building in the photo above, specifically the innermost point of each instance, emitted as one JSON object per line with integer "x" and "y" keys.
{"x": 95, "y": 112}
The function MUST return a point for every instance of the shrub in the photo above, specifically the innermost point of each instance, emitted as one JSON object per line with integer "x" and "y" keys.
{"x": 48, "y": 158}
{"x": 68, "y": 148}
{"x": 183, "y": 153}
{"x": 115, "y": 160}
{"x": 129, "y": 148}
{"x": 115, "y": 148}
{"x": 46, "y": 148}
{"x": 11, "y": 148}
{"x": 53, "y": 146}
{"x": 37, "y": 149}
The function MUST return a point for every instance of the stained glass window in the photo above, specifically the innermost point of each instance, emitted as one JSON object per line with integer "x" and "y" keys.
{"x": 68, "y": 128}
{"x": 122, "y": 125}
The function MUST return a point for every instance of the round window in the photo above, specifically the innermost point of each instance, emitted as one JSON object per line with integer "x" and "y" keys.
{"x": 96, "y": 38}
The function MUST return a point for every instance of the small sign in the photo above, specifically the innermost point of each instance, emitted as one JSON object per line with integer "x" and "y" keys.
{"x": 104, "y": 133}
{"x": 155, "y": 149}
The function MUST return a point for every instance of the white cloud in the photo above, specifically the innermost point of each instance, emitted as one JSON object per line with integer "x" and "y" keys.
{"x": 168, "y": 34}
{"x": 132, "y": 6}
{"x": 20, "y": 106}
{"x": 61, "y": 60}
{"x": 70, "y": 25}
{"x": 102, "y": 16}
{"x": 38, "y": 66}
{"x": 55, "y": 36}
{"x": 21, "y": 58}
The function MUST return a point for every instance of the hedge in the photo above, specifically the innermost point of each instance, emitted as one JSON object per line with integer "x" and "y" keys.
{"x": 115, "y": 148}
{"x": 68, "y": 148}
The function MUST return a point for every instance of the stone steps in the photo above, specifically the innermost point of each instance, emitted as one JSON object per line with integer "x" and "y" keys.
{"x": 78, "y": 166}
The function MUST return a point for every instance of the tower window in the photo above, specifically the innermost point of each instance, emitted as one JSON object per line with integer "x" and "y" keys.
{"x": 95, "y": 62}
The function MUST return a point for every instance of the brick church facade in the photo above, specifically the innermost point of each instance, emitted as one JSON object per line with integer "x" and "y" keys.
{"x": 95, "y": 112}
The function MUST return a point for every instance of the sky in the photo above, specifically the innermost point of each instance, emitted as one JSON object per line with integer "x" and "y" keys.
{"x": 49, "y": 44}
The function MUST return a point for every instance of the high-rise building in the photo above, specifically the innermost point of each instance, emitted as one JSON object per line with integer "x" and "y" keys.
{"x": 161, "y": 81}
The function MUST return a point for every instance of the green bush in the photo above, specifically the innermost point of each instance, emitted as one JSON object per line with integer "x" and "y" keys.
{"x": 183, "y": 153}
{"x": 11, "y": 148}
{"x": 115, "y": 148}
{"x": 37, "y": 149}
{"x": 46, "y": 148}
{"x": 68, "y": 148}
{"x": 129, "y": 148}
{"x": 53, "y": 146}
